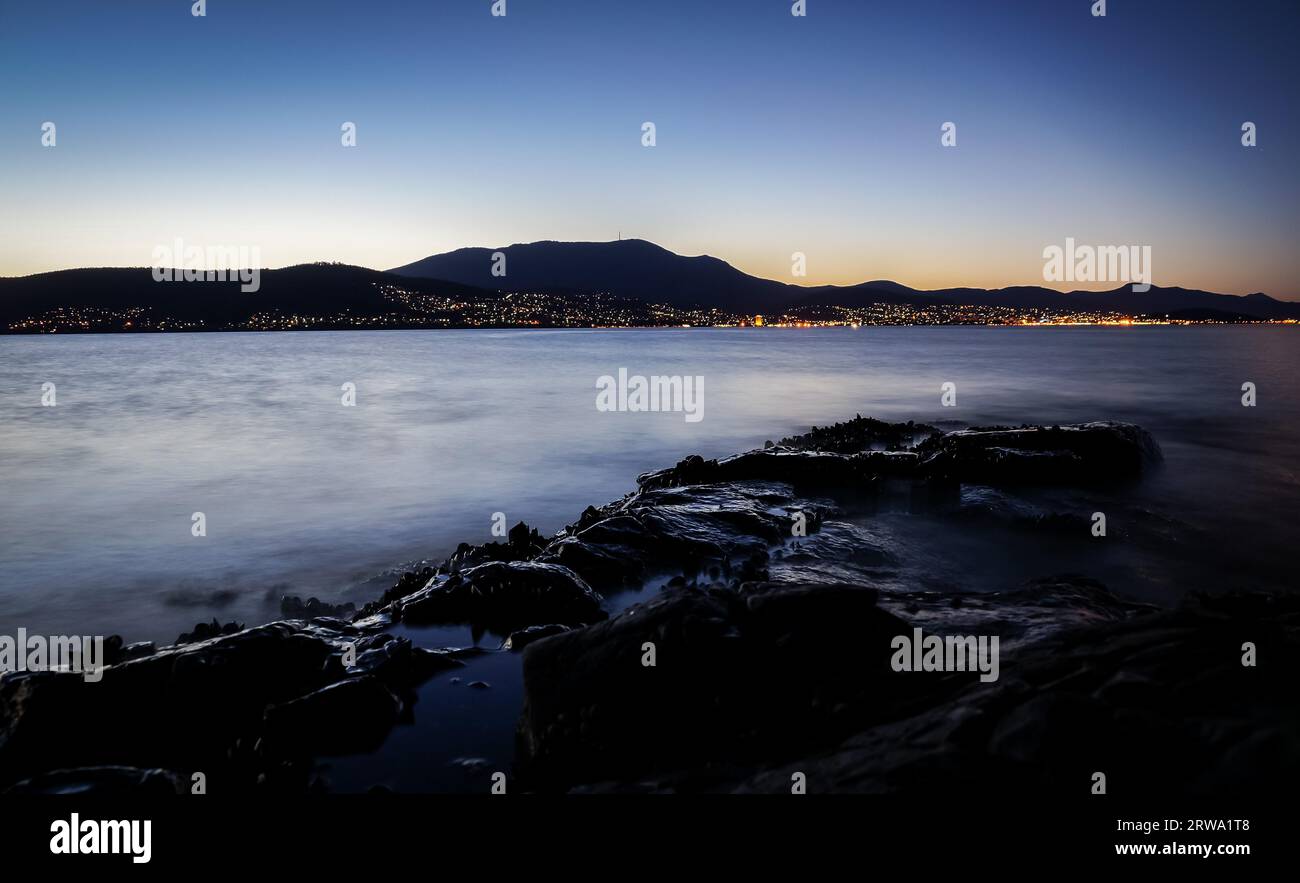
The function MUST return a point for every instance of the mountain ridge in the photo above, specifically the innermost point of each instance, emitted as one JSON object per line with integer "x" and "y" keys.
{"x": 646, "y": 271}
{"x": 555, "y": 281}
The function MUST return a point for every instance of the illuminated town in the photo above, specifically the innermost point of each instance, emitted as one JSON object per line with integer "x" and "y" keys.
{"x": 417, "y": 310}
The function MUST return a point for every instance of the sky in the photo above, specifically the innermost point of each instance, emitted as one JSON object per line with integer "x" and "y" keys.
{"x": 775, "y": 134}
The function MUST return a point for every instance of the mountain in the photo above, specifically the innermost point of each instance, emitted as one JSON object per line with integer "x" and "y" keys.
{"x": 548, "y": 284}
{"x": 628, "y": 267}
{"x": 320, "y": 290}
{"x": 642, "y": 270}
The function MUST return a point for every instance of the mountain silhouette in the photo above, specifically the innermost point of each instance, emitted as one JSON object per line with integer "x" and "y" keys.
{"x": 305, "y": 289}
{"x": 628, "y": 267}
{"x": 437, "y": 291}
{"x": 644, "y": 271}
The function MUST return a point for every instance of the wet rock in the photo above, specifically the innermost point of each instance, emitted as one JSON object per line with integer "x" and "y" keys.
{"x": 179, "y": 708}
{"x": 345, "y": 718}
{"x": 1085, "y": 453}
{"x": 109, "y": 780}
{"x": 737, "y": 674}
{"x": 470, "y": 764}
{"x": 522, "y": 543}
{"x": 799, "y": 468}
{"x": 521, "y": 638}
{"x": 504, "y": 593}
{"x": 407, "y": 583}
{"x": 1160, "y": 701}
{"x": 524, "y": 539}
{"x": 193, "y": 705}
{"x": 293, "y": 607}
{"x": 860, "y": 434}
{"x": 394, "y": 660}
{"x": 115, "y": 650}
{"x": 687, "y": 529}
{"x": 205, "y": 630}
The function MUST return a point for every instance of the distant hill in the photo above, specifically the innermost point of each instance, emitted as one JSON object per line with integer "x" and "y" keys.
{"x": 642, "y": 270}
{"x": 307, "y": 289}
{"x": 547, "y": 284}
{"x": 627, "y": 267}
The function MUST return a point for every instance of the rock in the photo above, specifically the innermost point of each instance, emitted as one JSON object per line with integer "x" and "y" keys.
{"x": 769, "y": 647}
{"x": 470, "y": 764}
{"x": 520, "y": 639}
{"x": 860, "y": 434}
{"x": 345, "y": 718}
{"x": 394, "y": 660}
{"x": 1086, "y": 453}
{"x": 1159, "y": 701}
{"x": 687, "y": 529}
{"x": 191, "y": 706}
{"x": 738, "y": 674}
{"x": 524, "y": 539}
{"x": 204, "y": 630}
{"x": 180, "y": 708}
{"x": 293, "y": 607}
{"x": 799, "y": 468}
{"x": 110, "y": 780}
{"x": 503, "y": 594}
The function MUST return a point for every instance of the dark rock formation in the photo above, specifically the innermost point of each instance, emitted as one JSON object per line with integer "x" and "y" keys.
{"x": 1086, "y": 453}
{"x": 771, "y": 647}
{"x": 520, "y": 639}
{"x": 205, "y": 630}
{"x": 1161, "y": 703}
{"x": 1158, "y": 700}
{"x": 348, "y": 717}
{"x": 104, "y": 780}
{"x": 202, "y": 705}
{"x": 293, "y": 607}
{"x": 742, "y": 675}
{"x": 517, "y": 593}
{"x": 735, "y": 675}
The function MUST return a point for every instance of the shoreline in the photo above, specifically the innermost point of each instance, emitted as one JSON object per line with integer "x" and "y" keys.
{"x": 770, "y": 643}
{"x": 787, "y": 327}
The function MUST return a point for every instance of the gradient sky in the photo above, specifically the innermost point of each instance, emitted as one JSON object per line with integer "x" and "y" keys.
{"x": 775, "y": 134}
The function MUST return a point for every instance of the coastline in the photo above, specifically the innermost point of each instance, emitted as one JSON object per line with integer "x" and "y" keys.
{"x": 772, "y": 646}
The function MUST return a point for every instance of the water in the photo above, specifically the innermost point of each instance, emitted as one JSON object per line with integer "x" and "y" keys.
{"x": 305, "y": 496}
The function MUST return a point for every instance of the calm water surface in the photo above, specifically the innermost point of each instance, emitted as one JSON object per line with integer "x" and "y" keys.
{"x": 305, "y": 496}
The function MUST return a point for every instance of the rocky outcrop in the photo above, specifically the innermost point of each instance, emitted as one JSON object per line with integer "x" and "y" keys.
{"x": 293, "y": 607}
{"x": 701, "y": 676}
{"x": 697, "y": 678}
{"x": 767, "y": 652}
{"x": 1161, "y": 704}
{"x": 1086, "y": 453}
{"x": 502, "y": 593}
{"x": 104, "y": 780}
{"x": 1159, "y": 701}
{"x": 1067, "y": 455}
{"x": 520, "y": 639}
{"x": 209, "y": 705}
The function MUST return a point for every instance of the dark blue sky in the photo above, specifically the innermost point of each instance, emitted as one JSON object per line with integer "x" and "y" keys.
{"x": 775, "y": 134}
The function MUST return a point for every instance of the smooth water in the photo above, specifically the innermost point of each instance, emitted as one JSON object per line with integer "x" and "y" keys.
{"x": 303, "y": 495}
